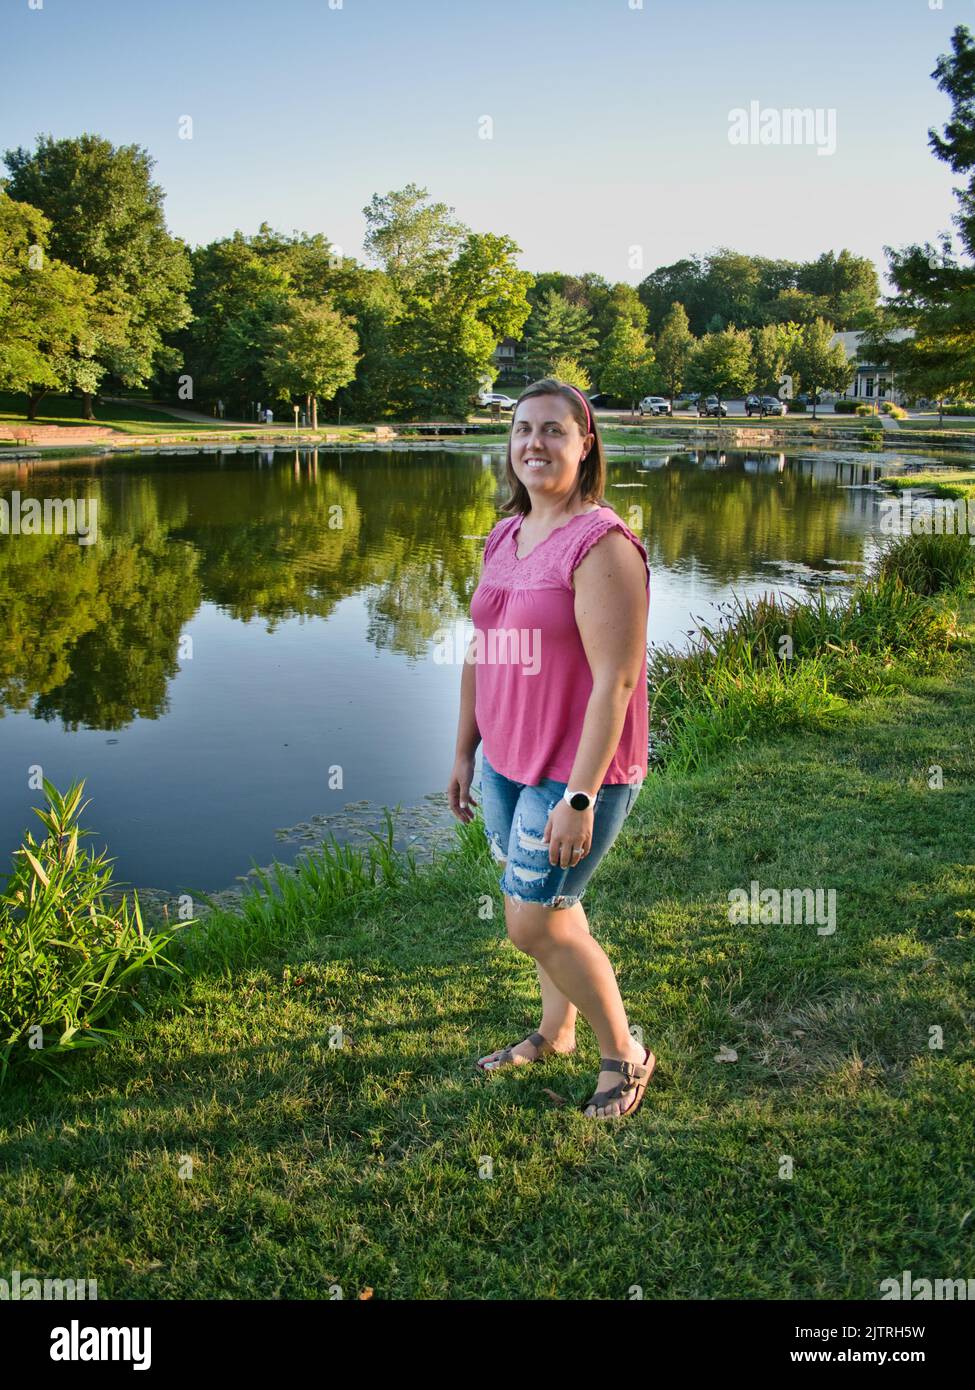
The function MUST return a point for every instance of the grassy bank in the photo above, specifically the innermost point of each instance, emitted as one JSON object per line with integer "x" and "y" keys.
{"x": 128, "y": 417}
{"x": 943, "y": 484}
{"x": 316, "y": 1063}
{"x": 951, "y": 424}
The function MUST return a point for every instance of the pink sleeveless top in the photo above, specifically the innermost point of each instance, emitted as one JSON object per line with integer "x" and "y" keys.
{"x": 533, "y": 679}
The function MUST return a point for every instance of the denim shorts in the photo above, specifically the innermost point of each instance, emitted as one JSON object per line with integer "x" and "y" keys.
{"x": 515, "y": 816}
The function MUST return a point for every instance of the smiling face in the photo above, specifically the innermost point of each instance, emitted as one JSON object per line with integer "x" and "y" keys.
{"x": 547, "y": 447}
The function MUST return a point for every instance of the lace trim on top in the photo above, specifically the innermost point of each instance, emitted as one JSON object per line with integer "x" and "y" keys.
{"x": 551, "y": 563}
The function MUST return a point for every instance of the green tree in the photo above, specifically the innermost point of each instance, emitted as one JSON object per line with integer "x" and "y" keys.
{"x": 627, "y": 363}
{"x": 408, "y": 239}
{"x": 454, "y": 319}
{"x": 239, "y": 301}
{"x": 774, "y": 348}
{"x": 730, "y": 286}
{"x": 723, "y": 363}
{"x": 311, "y": 264}
{"x": 46, "y": 336}
{"x": 935, "y": 295}
{"x": 107, "y": 221}
{"x": 734, "y": 284}
{"x": 795, "y": 306}
{"x": 819, "y": 363}
{"x": 557, "y": 329}
{"x": 609, "y": 305}
{"x": 684, "y": 282}
{"x": 845, "y": 285}
{"x": 314, "y": 354}
{"x": 675, "y": 343}
{"x": 369, "y": 300}
{"x": 568, "y": 369}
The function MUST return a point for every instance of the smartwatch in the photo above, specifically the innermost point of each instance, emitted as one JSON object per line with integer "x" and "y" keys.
{"x": 579, "y": 801}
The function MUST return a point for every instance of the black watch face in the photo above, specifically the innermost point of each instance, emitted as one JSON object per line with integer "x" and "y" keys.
{"x": 579, "y": 802}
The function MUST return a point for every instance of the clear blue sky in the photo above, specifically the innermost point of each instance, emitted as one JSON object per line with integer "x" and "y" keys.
{"x": 610, "y": 123}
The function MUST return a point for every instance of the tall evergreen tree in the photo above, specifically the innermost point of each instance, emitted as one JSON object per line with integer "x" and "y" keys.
{"x": 557, "y": 329}
{"x": 935, "y": 293}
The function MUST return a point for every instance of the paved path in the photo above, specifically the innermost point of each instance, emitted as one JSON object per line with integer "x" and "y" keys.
{"x": 196, "y": 416}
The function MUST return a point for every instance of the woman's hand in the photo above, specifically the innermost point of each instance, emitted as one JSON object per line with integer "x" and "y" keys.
{"x": 568, "y": 830}
{"x": 459, "y": 788}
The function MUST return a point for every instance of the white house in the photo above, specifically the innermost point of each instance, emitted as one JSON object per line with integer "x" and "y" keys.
{"x": 504, "y": 354}
{"x": 873, "y": 381}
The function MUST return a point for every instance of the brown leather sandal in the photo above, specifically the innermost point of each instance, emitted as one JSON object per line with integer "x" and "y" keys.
{"x": 506, "y": 1056}
{"x": 636, "y": 1075}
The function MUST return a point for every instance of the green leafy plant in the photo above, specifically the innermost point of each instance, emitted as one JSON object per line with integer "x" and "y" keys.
{"x": 67, "y": 956}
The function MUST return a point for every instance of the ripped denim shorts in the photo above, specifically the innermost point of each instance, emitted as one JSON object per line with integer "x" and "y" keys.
{"x": 515, "y": 816}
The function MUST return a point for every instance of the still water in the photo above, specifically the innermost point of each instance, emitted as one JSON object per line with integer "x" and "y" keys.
{"x": 248, "y": 655}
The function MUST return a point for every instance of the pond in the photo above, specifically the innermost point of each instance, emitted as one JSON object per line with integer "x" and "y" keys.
{"x": 248, "y": 656}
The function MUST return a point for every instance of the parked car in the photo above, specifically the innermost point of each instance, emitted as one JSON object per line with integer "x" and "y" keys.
{"x": 711, "y": 406}
{"x": 806, "y": 399}
{"x": 764, "y": 405}
{"x": 487, "y": 398}
{"x": 654, "y": 405}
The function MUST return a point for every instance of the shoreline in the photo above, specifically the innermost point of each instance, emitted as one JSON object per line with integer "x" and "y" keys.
{"x": 734, "y": 434}
{"x": 323, "y": 1083}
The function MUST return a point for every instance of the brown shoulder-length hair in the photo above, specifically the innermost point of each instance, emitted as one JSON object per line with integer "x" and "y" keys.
{"x": 592, "y": 468}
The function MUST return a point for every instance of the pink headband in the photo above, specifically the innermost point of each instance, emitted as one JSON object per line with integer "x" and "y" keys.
{"x": 584, "y": 402}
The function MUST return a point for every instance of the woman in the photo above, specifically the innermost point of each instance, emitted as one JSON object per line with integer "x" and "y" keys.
{"x": 555, "y": 682}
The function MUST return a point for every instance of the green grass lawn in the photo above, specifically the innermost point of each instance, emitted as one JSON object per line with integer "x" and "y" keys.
{"x": 129, "y": 417}
{"x": 636, "y": 436}
{"x": 366, "y": 1164}
{"x": 132, "y": 418}
{"x": 953, "y": 424}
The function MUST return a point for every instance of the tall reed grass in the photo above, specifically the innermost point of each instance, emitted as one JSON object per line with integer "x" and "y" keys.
{"x": 67, "y": 958}
{"x": 776, "y": 663}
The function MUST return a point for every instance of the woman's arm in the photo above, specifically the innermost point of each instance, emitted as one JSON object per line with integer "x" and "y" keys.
{"x": 468, "y": 734}
{"x": 611, "y": 613}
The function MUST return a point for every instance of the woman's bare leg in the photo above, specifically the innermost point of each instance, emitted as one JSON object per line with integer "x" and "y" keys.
{"x": 558, "y": 1021}
{"x": 581, "y": 972}
{"x": 558, "y": 1012}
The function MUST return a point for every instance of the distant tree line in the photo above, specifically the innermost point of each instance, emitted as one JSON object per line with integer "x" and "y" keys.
{"x": 96, "y": 296}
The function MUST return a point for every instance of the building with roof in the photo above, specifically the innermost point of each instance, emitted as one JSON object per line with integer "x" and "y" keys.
{"x": 872, "y": 381}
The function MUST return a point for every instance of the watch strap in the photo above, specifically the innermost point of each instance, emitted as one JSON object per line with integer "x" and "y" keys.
{"x": 567, "y": 796}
